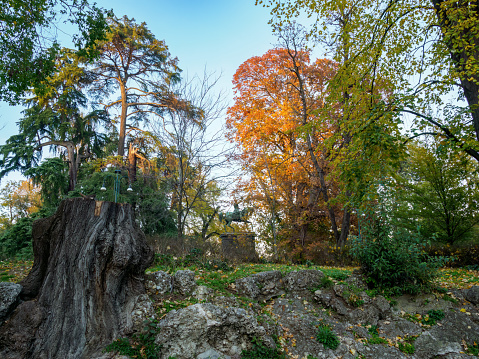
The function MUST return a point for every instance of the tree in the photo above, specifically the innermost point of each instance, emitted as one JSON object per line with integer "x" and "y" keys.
{"x": 54, "y": 119}
{"x": 28, "y": 42}
{"x": 438, "y": 191}
{"x": 275, "y": 121}
{"x": 20, "y": 199}
{"x": 426, "y": 50}
{"x": 193, "y": 153}
{"x": 133, "y": 62}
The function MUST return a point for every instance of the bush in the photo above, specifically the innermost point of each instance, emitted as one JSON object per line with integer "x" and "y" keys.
{"x": 394, "y": 259}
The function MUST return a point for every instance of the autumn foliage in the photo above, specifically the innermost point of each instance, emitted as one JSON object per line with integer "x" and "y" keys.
{"x": 269, "y": 121}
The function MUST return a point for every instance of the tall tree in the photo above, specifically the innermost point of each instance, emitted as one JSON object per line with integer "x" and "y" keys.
{"x": 427, "y": 51}
{"x": 28, "y": 41}
{"x": 274, "y": 120}
{"x": 55, "y": 119}
{"x": 438, "y": 191}
{"x": 136, "y": 65}
{"x": 193, "y": 152}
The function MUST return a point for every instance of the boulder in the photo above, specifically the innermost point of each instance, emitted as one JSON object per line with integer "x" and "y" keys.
{"x": 9, "y": 298}
{"x": 159, "y": 283}
{"x": 184, "y": 282}
{"x": 201, "y": 328}
{"x": 261, "y": 286}
{"x": 472, "y": 295}
{"x": 142, "y": 310}
{"x": 302, "y": 280}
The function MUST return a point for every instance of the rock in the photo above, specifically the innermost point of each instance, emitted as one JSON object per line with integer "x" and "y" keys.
{"x": 9, "y": 298}
{"x": 184, "y": 282}
{"x": 446, "y": 337}
{"x": 472, "y": 295}
{"x": 302, "y": 280}
{"x": 143, "y": 310}
{"x": 159, "y": 283}
{"x": 212, "y": 354}
{"x": 383, "y": 306}
{"x": 367, "y": 315}
{"x": 270, "y": 284}
{"x": 202, "y": 292}
{"x": 261, "y": 286}
{"x": 192, "y": 331}
{"x": 225, "y": 302}
{"x": 324, "y": 297}
{"x": 247, "y": 287}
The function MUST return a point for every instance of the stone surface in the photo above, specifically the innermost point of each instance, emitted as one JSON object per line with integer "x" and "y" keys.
{"x": 9, "y": 298}
{"x": 202, "y": 292}
{"x": 142, "y": 310}
{"x": 472, "y": 295}
{"x": 184, "y": 282}
{"x": 302, "y": 280}
{"x": 261, "y": 286}
{"x": 159, "y": 283}
{"x": 212, "y": 354}
{"x": 192, "y": 331}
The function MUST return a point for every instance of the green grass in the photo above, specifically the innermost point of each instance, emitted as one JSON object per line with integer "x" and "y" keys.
{"x": 327, "y": 337}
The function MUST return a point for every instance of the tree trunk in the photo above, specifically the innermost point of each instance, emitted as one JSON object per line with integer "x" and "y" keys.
{"x": 88, "y": 269}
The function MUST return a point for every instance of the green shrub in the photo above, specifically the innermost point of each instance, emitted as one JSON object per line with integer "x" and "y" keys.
{"x": 393, "y": 259}
{"x": 327, "y": 337}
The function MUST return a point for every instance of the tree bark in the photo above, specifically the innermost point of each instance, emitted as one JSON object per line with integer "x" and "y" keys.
{"x": 88, "y": 269}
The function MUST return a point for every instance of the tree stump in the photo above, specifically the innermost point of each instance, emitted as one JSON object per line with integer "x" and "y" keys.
{"x": 89, "y": 263}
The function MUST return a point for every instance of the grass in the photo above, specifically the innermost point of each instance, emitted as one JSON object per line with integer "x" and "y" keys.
{"x": 218, "y": 279}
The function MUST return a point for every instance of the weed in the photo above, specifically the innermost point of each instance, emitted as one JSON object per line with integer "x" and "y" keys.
{"x": 432, "y": 317}
{"x": 141, "y": 345}
{"x": 473, "y": 349}
{"x": 407, "y": 348}
{"x": 260, "y": 351}
{"x": 326, "y": 282}
{"x": 375, "y": 339}
{"x": 327, "y": 337}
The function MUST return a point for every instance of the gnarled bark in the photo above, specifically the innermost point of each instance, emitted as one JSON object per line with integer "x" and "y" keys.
{"x": 88, "y": 270}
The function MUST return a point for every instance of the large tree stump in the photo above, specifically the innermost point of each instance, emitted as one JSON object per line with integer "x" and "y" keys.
{"x": 88, "y": 270}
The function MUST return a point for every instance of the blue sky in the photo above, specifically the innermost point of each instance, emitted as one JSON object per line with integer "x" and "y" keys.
{"x": 216, "y": 34}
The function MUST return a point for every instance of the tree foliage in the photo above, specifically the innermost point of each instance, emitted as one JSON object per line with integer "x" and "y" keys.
{"x": 28, "y": 40}
{"x": 138, "y": 66}
{"x": 426, "y": 50}
{"x": 437, "y": 191}
{"x": 275, "y": 122}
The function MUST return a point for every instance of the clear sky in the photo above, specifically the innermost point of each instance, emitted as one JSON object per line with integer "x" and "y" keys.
{"x": 216, "y": 34}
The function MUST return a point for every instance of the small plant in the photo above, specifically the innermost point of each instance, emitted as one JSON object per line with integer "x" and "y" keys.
{"x": 327, "y": 337}
{"x": 141, "y": 345}
{"x": 326, "y": 282}
{"x": 432, "y": 317}
{"x": 373, "y": 330}
{"x": 260, "y": 351}
{"x": 407, "y": 348}
{"x": 473, "y": 349}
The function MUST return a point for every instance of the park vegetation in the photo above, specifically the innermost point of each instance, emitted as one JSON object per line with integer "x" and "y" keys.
{"x": 323, "y": 155}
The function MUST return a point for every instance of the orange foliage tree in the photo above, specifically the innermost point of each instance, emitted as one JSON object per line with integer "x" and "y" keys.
{"x": 276, "y": 123}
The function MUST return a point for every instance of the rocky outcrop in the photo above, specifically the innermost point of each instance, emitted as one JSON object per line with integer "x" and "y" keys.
{"x": 267, "y": 285}
{"x": 203, "y": 330}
